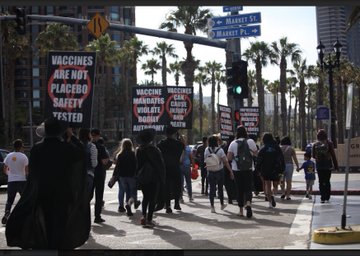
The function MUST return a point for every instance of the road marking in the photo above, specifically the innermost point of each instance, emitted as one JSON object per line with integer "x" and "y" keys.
{"x": 301, "y": 225}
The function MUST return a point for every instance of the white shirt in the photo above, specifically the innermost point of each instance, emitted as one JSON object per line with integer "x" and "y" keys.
{"x": 16, "y": 161}
{"x": 220, "y": 153}
{"x": 234, "y": 147}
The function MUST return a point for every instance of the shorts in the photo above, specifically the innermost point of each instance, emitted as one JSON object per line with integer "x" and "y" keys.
{"x": 309, "y": 182}
{"x": 289, "y": 169}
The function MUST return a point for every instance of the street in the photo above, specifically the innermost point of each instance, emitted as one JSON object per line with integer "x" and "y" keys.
{"x": 195, "y": 227}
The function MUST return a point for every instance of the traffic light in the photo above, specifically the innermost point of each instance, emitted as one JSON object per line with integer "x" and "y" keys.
{"x": 236, "y": 118}
{"x": 20, "y": 21}
{"x": 229, "y": 80}
{"x": 240, "y": 79}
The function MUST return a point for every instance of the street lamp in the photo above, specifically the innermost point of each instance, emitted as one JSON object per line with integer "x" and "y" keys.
{"x": 329, "y": 65}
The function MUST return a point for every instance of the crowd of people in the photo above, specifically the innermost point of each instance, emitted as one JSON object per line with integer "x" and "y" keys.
{"x": 64, "y": 171}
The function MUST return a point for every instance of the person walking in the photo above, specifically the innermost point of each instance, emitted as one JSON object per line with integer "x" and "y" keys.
{"x": 54, "y": 211}
{"x": 199, "y": 157}
{"x": 270, "y": 164}
{"x": 148, "y": 154}
{"x": 240, "y": 153}
{"x": 91, "y": 157}
{"x": 216, "y": 171}
{"x": 290, "y": 158}
{"x": 171, "y": 149}
{"x": 309, "y": 170}
{"x": 16, "y": 167}
{"x": 99, "y": 175}
{"x": 124, "y": 171}
{"x": 326, "y": 162}
{"x": 186, "y": 162}
{"x": 229, "y": 183}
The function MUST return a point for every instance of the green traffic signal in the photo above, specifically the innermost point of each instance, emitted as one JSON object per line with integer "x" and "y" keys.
{"x": 237, "y": 89}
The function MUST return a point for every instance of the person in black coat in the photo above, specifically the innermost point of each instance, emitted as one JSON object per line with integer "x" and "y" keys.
{"x": 54, "y": 212}
{"x": 151, "y": 189}
{"x": 171, "y": 149}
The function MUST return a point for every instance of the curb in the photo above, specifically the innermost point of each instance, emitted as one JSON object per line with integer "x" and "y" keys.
{"x": 335, "y": 235}
{"x": 333, "y": 192}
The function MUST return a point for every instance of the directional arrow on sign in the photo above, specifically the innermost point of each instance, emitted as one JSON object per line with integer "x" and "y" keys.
{"x": 227, "y": 33}
{"x": 234, "y": 20}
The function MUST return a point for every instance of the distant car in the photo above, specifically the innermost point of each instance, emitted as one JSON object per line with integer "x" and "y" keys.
{"x": 3, "y": 176}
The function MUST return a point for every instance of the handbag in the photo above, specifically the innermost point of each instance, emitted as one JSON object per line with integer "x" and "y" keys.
{"x": 194, "y": 172}
{"x": 108, "y": 165}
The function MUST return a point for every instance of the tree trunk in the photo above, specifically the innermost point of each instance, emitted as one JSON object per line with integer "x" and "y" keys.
{"x": 276, "y": 113}
{"x": 213, "y": 84}
{"x": 201, "y": 110}
{"x": 283, "y": 94}
{"x": 261, "y": 93}
{"x": 295, "y": 123}
{"x": 302, "y": 115}
{"x": 163, "y": 71}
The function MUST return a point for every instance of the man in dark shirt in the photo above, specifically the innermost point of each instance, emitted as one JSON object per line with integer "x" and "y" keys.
{"x": 99, "y": 175}
{"x": 172, "y": 149}
{"x": 199, "y": 156}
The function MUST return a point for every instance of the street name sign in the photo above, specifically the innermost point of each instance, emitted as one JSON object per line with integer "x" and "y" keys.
{"x": 226, "y": 33}
{"x": 97, "y": 25}
{"x": 234, "y": 20}
{"x": 322, "y": 113}
{"x": 232, "y": 8}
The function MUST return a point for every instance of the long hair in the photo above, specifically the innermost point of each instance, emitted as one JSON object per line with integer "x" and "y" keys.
{"x": 124, "y": 146}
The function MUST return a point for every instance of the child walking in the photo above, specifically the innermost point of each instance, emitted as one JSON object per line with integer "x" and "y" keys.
{"x": 309, "y": 169}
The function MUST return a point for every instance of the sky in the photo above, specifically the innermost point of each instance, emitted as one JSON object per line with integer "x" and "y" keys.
{"x": 298, "y": 24}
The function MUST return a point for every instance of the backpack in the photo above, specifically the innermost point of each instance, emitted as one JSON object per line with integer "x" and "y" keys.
{"x": 244, "y": 158}
{"x": 212, "y": 161}
{"x": 322, "y": 151}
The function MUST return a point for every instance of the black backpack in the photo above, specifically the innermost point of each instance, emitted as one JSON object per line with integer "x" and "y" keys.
{"x": 244, "y": 158}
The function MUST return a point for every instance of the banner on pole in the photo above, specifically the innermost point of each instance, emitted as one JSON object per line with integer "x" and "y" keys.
{"x": 225, "y": 121}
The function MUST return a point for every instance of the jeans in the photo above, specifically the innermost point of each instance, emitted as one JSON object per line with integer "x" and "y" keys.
{"x": 186, "y": 175}
{"x": 121, "y": 194}
{"x": 150, "y": 192}
{"x": 129, "y": 187}
{"x": 13, "y": 188}
{"x": 243, "y": 180}
{"x": 216, "y": 179}
{"x": 204, "y": 180}
{"x": 99, "y": 185}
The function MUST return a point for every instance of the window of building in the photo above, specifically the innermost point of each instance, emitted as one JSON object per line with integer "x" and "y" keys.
{"x": 49, "y": 10}
{"x": 116, "y": 70}
{"x": 21, "y": 72}
{"x": 116, "y": 37}
{"x": 35, "y": 9}
{"x": 36, "y": 104}
{"x": 36, "y": 94}
{"x": 20, "y": 94}
{"x": 35, "y": 72}
{"x": 20, "y": 83}
{"x": 36, "y": 83}
{"x": 35, "y": 61}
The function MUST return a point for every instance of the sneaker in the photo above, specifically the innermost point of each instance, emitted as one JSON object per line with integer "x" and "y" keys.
{"x": 223, "y": 206}
{"x": 240, "y": 213}
{"x": 142, "y": 221}
{"x": 99, "y": 220}
{"x": 282, "y": 196}
{"x": 121, "y": 209}
{"x": 5, "y": 218}
{"x": 230, "y": 201}
{"x": 322, "y": 201}
{"x": 128, "y": 210}
{"x": 177, "y": 207}
{"x": 288, "y": 198}
{"x": 309, "y": 196}
{"x": 137, "y": 204}
{"x": 248, "y": 211}
{"x": 168, "y": 210}
{"x": 191, "y": 199}
{"x": 213, "y": 209}
{"x": 273, "y": 203}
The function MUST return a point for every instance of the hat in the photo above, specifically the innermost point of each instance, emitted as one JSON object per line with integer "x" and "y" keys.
{"x": 55, "y": 127}
{"x": 170, "y": 130}
{"x": 146, "y": 136}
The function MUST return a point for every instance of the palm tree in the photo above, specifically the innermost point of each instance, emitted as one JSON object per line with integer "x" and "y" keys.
{"x": 176, "y": 68}
{"x": 220, "y": 79}
{"x": 211, "y": 68}
{"x": 192, "y": 18}
{"x": 282, "y": 51}
{"x": 291, "y": 82}
{"x": 163, "y": 49}
{"x": 107, "y": 54}
{"x": 130, "y": 52}
{"x": 14, "y": 47}
{"x": 296, "y": 93}
{"x": 150, "y": 67}
{"x": 251, "y": 85}
{"x": 302, "y": 72}
{"x": 274, "y": 89}
{"x": 56, "y": 36}
{"x": 202, "y": 79}
{"x": 260, "y": 54}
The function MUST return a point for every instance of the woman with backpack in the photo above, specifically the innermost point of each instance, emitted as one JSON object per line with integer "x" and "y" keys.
{"x": 325, "y": 158}
{"x": 270, "y": 164}
{"x": 215, "y": 159}
{"x": 240, "y": 153}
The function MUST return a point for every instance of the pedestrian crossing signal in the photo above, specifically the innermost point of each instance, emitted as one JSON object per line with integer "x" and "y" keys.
{"x": 20, "y": 21}
{"x": 240, "y": 79}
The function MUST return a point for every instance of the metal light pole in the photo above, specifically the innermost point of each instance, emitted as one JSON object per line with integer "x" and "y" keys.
{"x": 329, "y": 65}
